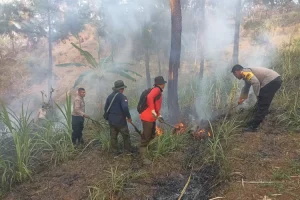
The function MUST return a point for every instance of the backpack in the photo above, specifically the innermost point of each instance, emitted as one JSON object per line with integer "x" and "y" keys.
{"x": 142, "y": 105}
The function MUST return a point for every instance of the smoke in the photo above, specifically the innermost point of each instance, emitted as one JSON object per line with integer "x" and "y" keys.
{"x": 124, "y": 20}
{"x": 219, "y": 37}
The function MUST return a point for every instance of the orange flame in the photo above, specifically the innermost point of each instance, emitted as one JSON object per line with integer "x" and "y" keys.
{"x": 200, "y": 134}
{"x": 209, "y": 134}
{"x": 158, "y": 131}
{"x": 180, "y": 128}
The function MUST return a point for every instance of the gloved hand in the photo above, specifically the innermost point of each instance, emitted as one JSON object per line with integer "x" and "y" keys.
{"x": 241, "y": 100}
{"x": 160, "y": 119}
{"x": 154, "y": 114}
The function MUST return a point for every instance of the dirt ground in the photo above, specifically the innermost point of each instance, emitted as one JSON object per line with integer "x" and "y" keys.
{"x": 264, "y": 166}
{"x": 164, "y": 179}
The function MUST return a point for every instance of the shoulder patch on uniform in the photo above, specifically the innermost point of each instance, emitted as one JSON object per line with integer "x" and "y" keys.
{"x": 247, "y": 75}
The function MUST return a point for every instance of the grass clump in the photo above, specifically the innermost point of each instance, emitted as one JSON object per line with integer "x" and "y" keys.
{"x": 29, "y": 144}
{"x": 167, "y": 143}
{"x": 287, "y": 100}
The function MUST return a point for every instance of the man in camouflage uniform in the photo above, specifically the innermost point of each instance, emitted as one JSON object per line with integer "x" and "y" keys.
{"x": 118, "y": 115}
{"x": 78, "y": 116}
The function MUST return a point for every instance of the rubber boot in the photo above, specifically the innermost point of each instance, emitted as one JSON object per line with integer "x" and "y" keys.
{"x": 143, "y": 153}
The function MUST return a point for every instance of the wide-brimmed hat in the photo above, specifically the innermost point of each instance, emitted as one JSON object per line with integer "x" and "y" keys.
{"x": 119, "y": 85}
{"x": 159, "y": 80}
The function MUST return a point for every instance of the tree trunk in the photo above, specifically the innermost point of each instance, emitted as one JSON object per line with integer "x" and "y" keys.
{"x": 99, "y": 48}
{"x": 202, "y": 45}
{"x": 196, "y": 47}
{"x": 235, "y": 58}
{"x": 159, "y": 64}
{"x": 50, "y": 52}
{"x": 174, "y": 62}
{"x": 147, "y": 60}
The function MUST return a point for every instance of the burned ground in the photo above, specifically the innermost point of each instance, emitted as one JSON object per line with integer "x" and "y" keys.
{"x": 164, "y": 179}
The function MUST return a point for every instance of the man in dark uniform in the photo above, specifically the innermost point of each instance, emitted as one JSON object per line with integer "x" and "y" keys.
{"x": 118, "y": 114}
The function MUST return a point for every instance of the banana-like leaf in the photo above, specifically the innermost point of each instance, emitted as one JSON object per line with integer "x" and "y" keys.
{"x": 133, "y": 72}
{"x": 121, "y": 73}
{"x": 90, "y": 59}
{"x": 81, "y": 77}
{"x": 123, "y": 64}
{"x": 105, "y": 60}
{"x": 70, "y": 65}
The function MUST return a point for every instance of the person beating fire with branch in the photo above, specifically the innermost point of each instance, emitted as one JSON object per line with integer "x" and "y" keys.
{"x": 265, "y": 83}
{"x": 149, "y": 108}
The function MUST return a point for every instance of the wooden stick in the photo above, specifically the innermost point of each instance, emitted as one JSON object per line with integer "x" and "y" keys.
{"x": 184, "y": 189}
{"x": 217, "y": 198}
{"x": 295, "y": 176}
{"x": 257, "y": 182}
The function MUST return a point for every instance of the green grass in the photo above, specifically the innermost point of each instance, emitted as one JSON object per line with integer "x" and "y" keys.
{"x": 280, "y": 174}
{"x": 21, "y": 152}
{"x": 19, "y": 126}
{"x": 166, "y": 143}
{"x": 287, "y": 64}
{"x": 103, "y": 137}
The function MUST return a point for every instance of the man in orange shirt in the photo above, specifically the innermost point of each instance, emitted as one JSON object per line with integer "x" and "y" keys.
{"x": 150, "y": 115}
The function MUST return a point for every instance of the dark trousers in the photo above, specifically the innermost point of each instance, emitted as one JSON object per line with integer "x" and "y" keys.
{"x": 264, "y": 101}
{"x": 148, "y": 133}
{"x": 114, "y": 132}
{"x": 77, "y": 126}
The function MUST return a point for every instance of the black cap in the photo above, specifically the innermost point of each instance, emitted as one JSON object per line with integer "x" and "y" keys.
{"x": 236, "y": 67}
{"x": 119, "y": 85}
{"x": 159, "y": 80}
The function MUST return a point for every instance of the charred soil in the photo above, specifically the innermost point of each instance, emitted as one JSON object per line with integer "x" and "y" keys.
{"x": 92, "y": 172}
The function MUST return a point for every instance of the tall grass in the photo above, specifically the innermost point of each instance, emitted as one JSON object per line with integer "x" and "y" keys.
{"x": 222, "y": 133}
{"x": 66, "y": 111}
{"x": 103, "y": 137}
{"x": 26, "y": 144}
{"x": 112, "y": 184}
{"x": 167, "y": 143}
{"x": 58, "y": 141}
{"x": 19, "y": 126}
{"x": 287, "y": 63}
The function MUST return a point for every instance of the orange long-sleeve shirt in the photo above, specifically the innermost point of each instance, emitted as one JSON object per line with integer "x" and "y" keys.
{"x": 152, "y": 105}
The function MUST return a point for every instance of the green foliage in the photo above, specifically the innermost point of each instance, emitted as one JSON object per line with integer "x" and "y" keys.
{"x": 221, "y": 135}
{"x": 70, "y": 65}
{"x": 19, "y": 126}
{"x": 89, "y": 58}
{"x": 103, "y": 137}
{"x": 113, "y": 183}
{"x": 20, "y": 152}
{"x": 66, "y": 111}
{"x": 98, "y": 69}
{"x": 117, "y": 180}
{"x": 287, "y": 64}
{"x": 167, "y": 143}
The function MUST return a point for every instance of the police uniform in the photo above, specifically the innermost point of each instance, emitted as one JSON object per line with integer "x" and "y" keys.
{"x": 265, "y": 83}
{"x": 117, "y": 115}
